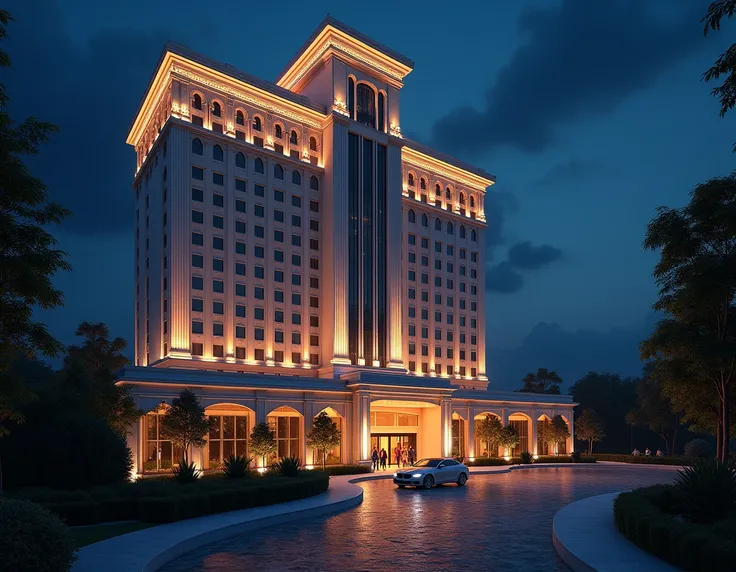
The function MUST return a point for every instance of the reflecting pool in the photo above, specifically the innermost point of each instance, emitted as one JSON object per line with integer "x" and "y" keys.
{"x": 496, "y": 522}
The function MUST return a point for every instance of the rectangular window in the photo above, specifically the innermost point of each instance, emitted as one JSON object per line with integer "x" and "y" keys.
{"x": 218, "y": 264}
{"x": 259, "y": 314}
{"x": 218, "y": 308}
{"x": 240, "y": 290}
{"x": 240, "y": 350}
{"x": 278, "y": 215}
{"x": 197, "y": 261}
{"x": 278, "y": 196}
{"x": 198, "y": 195}
{"x": 197, "y": 283}
{"x": 239, "y": 311}
{"x": 239, "y": 269}
{"x": 197, "y": 217}
{"x": 296, "y": 220}
{"x": 218, "y": 221}
{"x": 197, "y": 327}
{"x": 197, "y": 349}
{"x": 296, "y": 240}
{"x": 198, "y": 173}
{"x": 197, "y": 239}
{"x": 240, "y": 332}
{"x": 240, "y": 185}
{"x": 239, "y": 247}
{"x": 240, "y": 227}
{"x": 218, "y": 286}
{"x": 218, "y": 179}
{"x": 240, "y": 206}
{"x": 218, "y": 243}
{"x": 296, "y": 201}
{"x": 197, "y": 305}
{"x": 259, "y": 211}
{"x": 218, "y": 200}
{"x": 259, "y": 190}
{"x": 259, "y": 293}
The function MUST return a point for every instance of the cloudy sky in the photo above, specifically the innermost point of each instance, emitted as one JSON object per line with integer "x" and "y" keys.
{"x": 590, "y": 114}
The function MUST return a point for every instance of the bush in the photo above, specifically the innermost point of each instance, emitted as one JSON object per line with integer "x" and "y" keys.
{"x": 526, "y": 458}
{"x": 648, "y": 517}
{"x": 487, "y": 462}
{"x": 236, "y": 467}
{"x": 79, "y": 451}
{"x": 288, "y": 467}
{"x": 186, "y": 472}
{"x": 335, "y": 470}
{"x": 698, "y": 449}
{"x": 644, "y": 460}
{"x": 708, "y": 490}
{"x": 76, "y": 513}
{"x": 32, "y": 539}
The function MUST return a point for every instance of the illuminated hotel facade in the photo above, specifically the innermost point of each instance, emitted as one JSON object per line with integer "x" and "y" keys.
{"x": 294, "y": 253}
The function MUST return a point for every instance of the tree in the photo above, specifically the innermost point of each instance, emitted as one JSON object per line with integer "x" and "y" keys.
{"x": 589, "y": 427}
{"x": 508, "y": 438}
{"x": 88, "y": 378}
{"x": 185, "y": 423}
{"x": 696, "y": 276}
{"x": 544, "y": 381}
{"x": 28, "y": 257}
{"x": 558, "y": 432}
{"x": 262, "y": 442}
{"x": 489, "y": 430}
{"x": 725, "y": 64}
{"x": 654, "y": 409}
{"x": 324, "y": 435}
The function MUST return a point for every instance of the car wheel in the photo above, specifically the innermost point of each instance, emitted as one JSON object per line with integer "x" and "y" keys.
{"x": 428, "y": 482}
{"x": 462, "y": 479}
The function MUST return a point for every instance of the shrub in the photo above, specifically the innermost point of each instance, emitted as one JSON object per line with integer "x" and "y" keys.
{"x": 76, "y": 513}
{"x": 236, "y": 467}
{"x": 32, "y": 539}
{"x": 83, "y": 452}
{"x": 708, "y": 490}
{"x": 157, "y": 509}
{"x": 186, "y": 472}
{"x": 526, "y": 458}
{"x": 487, "y": 462}
{"x": 288, "y": 467}
{"x": 576, "y": 456}
{"x": 698, "y": 449}
{"x": 643, "y": 460}
{"x": 335, "y": 470}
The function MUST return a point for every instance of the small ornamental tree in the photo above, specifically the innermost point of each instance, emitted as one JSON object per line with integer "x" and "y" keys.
{"x": 589, "y": 427}
{"x": 558, "y": 432}
{"x": 488, "y": 430}
{"x": 185, "y": 423}
{"x": 324, "y": 436}
{"x": 508, "y": 438}
{"x": 262, "y": 442}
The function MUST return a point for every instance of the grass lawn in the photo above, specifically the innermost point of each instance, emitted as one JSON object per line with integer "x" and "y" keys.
{"x": 84, "y": 535}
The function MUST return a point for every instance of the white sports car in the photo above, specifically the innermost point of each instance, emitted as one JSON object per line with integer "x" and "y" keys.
{"x": 427, "y": 473}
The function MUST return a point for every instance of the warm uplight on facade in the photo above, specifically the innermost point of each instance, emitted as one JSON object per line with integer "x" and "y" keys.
{"x": 471, "y": 459}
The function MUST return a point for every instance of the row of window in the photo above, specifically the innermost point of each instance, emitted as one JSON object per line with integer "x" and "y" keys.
{"x": 449, "y": 318}
{"x": 219, "y": 179}
{"x": 218, "y": 351}
{"x": 438, "y": 225}
{"x": 438, "y": 352}
{"x": 438, "y": 249}
{"x": 259, "y": 293}
{"x": 438, "y": 297}
{"x": 438, "y": 191}
{"x": 449, "y": 335}
{"x": 218, "y": 309}
{"x": 218, "y": 243}
{"x": 449, "y": 369}
{"x": 218, "y": 330}
{"x": 259, "y": 272}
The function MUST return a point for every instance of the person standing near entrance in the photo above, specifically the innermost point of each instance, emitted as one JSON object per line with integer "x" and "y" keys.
{"x": 412, "y": 455}
{"x": 383, "y": 457}
{"x": 374, "y": 458}
{"x": 397, "y": 455}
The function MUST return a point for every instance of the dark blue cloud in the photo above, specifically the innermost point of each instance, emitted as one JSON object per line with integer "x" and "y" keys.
{"x": 503, "y": 278}
{"x": 527, "y": 257}
{"x": 580, "y": 58}
{"x": 570, "y": 171}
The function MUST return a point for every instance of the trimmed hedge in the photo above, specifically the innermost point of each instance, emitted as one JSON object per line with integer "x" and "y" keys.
{"x": 649, "y": 518}
{"x": 167, "y": 501}
{"x": 500, "y": 461}
{"x": 335, "y": 470}
{"x": 488, "y": 462}
{"x": 644, "y": 460}
{"x": 563, "y": 459}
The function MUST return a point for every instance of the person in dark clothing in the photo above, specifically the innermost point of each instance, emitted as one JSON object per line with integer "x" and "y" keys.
{"x": 374, "y": 458}
{"x": 383, "y": 457}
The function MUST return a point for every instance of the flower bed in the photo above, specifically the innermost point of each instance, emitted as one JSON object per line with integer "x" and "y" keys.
{"x": 649, "y": 518}
{"x": 165, "y": 500}
{"x": 644, "y": 460}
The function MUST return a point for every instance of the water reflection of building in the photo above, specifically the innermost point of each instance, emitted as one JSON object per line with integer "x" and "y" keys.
{"x": 295, "y": 253}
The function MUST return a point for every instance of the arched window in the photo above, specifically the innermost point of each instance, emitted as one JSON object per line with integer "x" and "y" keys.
{"x": 277, "y": 132}
{"x": 381, "y": 111}
{"x": 259, "y": 166}
{"x": 423, "y": 184}
{"x": 366, "y": 112}
{"x": 450, "y": 228}
{"x": 473, "y": 236}
{"x": 314, "y": 183}
{"x": 448, "y": 194}
{"x": 437, "y": 224}
{"x": 462, "y": 198}
{"x": 296, "y": 177}
{"x": 293, "y": 138}
{"x": 412, "y": 216}
{"x": 462, "y": 231}
{"x": 472, "y": 202}
{"x": 278, "y": 172}
{"x": 411, "y": 180}
{"x": 312, "y": 144}
{"x": 217, "y": 153}
{"x": 240, "y": 160}
{"x": 257, "y": 123}
{"x": 425, "y": 221}
{"x": 216, "y": 109}
{"x": 351, "y": 97}
{"x": 239, "y": 117}
{"x": 197, "y": 101}
{"x": 197, "y": 147}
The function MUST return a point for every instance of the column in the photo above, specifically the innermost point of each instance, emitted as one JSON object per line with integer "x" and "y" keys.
{"x": 307, "y": 455}
{"x": 533, "y": 434}
{"x": 446, "y": 426}
{"x": 471, "y": 434}
{"x": 571, "y": 438}
{"x": 394, "y": 267}
{"x": 504, "y": 421}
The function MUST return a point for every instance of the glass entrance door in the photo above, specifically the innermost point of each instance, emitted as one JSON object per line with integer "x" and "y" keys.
{"x": 391, "y": 442}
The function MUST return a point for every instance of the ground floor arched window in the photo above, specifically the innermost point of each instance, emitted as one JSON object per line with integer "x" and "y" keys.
{"x": 228, "y": 436}
{"x": 521, "y": 425}
{"x": 285, "y": 423}
{"x": 458, "y": 436}
{"x": 160, "y": 453}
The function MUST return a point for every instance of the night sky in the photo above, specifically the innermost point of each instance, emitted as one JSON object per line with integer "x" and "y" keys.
{"x": 590, "y": 114}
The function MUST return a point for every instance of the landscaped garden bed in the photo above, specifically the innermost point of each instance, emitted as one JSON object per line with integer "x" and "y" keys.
{"x": 501, "y": 461}
{"x": 166, "y": 500}
{"x": 691, "y": 524}
{"x": 645, "y": 460}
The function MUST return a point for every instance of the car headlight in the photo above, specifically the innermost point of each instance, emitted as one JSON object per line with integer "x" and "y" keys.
{"x": 416, "y": 475}
{"x": 394, "y": 474}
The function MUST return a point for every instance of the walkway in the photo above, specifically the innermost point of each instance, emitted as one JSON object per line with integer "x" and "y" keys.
{"x": 586, "y": 538}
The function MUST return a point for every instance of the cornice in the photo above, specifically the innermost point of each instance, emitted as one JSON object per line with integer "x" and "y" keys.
{"x": 445, "y": 169}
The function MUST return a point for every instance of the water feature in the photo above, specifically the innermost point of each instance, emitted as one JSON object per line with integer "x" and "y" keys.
{"x": 497, "y": 522}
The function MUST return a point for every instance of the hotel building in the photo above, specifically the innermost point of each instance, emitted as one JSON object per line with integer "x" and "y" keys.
{"x": 295, "y": 253}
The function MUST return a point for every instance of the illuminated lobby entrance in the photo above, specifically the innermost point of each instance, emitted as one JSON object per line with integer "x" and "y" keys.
{"x": 405, "y": 424}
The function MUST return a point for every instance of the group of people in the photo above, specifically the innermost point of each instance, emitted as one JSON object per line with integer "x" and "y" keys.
{"x": 402, "y": 457}
{"x": 647, "y": 452}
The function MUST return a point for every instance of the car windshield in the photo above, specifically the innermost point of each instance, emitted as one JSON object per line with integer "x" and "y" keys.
{"x": 427, "y": 463}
